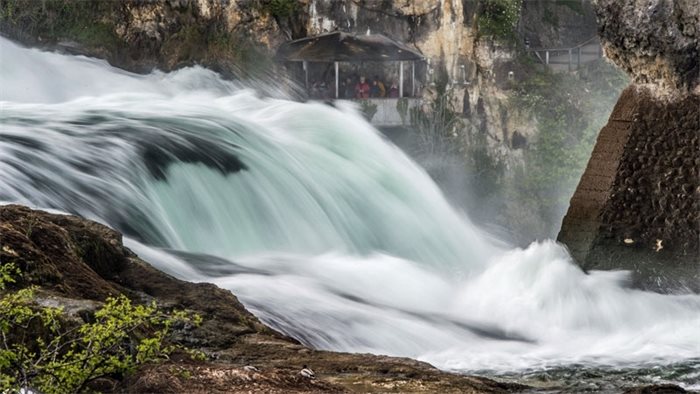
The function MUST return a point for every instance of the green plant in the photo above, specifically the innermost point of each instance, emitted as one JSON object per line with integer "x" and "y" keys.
{"x": 402, "y": 108}
{"x": 280, "y": 8}
{"x": 42, "y": 350}
{"x": 498, "y": 18}
{"x": 368, "y": 109}
{"x": 54, "y": 20}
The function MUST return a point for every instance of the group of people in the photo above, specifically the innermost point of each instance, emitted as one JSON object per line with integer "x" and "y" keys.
{"x": 349, "y": 89}
{"x": 374, "y": 89}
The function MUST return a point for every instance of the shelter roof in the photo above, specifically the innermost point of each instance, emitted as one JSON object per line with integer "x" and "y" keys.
{"x": 344, "y": 47}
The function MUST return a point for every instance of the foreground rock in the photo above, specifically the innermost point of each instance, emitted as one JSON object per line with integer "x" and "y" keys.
{"x": 77, "y": 263}
{"x": 637, "y": 205}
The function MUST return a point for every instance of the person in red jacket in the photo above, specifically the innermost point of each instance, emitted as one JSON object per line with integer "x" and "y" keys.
{"x": 362, "y": 89}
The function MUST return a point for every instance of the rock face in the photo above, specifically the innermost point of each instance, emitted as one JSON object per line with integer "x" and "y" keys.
{"x": 655, "y": 41}
{"x": 78, "y": 263}
{"x": 637, "y": 205}
{"x": 229, "y": 37}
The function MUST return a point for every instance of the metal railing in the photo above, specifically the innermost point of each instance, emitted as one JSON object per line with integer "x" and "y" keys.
{"x": 571, "y": 57}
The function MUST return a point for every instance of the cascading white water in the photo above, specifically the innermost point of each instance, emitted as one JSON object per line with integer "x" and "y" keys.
{"x": 322, "y": 228}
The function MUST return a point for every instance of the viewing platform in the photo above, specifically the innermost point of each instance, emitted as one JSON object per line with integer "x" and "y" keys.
{"x": 387, "y": 110}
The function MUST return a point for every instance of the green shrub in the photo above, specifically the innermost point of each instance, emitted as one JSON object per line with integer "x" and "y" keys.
{"x": 402, "y": 109}
{"x": 498, "y": 18}
{"x": 44, "y": 351}
{"x": 280, "y": 8}
{"x": 368, "y": 109}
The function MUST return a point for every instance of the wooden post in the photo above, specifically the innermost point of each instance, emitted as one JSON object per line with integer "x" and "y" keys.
{"x": 400, "y": 79}
{"x": 337, "y": 88}
{"x": 413, "y": 78}
{"x": 571, "y": 59}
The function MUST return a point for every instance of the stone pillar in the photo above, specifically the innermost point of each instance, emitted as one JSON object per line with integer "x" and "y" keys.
{"x": 637, "y": 206}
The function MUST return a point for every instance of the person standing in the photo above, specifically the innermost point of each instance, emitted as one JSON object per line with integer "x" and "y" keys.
{"x": 394, "y": 90}
{"x": 380, "y": 85}
{"x": 362, "y": 88}
{"x": 348, "y": 89}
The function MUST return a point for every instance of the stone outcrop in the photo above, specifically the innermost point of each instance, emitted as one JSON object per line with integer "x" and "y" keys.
{"x": 77, "y": 263}
{"x": 637, "y": 205}
{"x": 655, "y": 41}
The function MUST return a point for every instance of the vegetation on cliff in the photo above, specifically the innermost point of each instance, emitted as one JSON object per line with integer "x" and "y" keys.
{"x": 570, "y": 111}
{"x": 140, "y": 36}
{"x": 498, "y": 18}
{"x": 44, "y": 349}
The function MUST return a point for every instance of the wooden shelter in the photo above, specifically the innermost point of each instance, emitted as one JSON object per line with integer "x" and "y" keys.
{"x": 339, "y": 47}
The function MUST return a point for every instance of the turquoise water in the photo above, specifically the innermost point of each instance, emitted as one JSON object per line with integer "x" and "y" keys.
{"x": 322, "y": 228}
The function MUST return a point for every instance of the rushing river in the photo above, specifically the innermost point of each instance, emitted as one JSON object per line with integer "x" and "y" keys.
{"x": 322, "y": 228}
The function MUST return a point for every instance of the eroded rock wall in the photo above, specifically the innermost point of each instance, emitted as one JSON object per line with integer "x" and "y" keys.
{"x": 655, "y": 41}
{"x": 637, "y": 205}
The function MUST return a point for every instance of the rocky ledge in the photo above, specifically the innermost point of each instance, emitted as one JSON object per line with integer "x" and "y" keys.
{"x": 77, "y": 263}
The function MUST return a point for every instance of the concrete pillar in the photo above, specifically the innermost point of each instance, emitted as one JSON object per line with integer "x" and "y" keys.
{"x": 400, "y": 79}
{"x": 305, "y": 65}
{"x": 413, "y": 78}
{"x": 337, "y": 88}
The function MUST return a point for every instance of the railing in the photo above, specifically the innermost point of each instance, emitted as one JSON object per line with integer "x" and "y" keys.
{"x": 570, "y": 58}
{"x": 387, "y": 110}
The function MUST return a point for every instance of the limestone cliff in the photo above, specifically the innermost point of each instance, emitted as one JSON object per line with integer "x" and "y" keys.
{"x": 637, "y": 205}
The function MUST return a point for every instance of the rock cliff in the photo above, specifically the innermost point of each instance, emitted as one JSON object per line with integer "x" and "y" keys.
{"x": 637, "y": 204}
{"x": 228, "y": 37}
{"x": 656, "y": 42}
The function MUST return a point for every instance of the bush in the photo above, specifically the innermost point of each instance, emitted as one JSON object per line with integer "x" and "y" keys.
{"x": 368, "y": 108}
{"x": 498, "y": 18}
{"x": 42, "y": 350}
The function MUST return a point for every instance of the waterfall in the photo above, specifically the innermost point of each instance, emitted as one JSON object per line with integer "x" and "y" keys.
{"x": 325, "y": 230}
